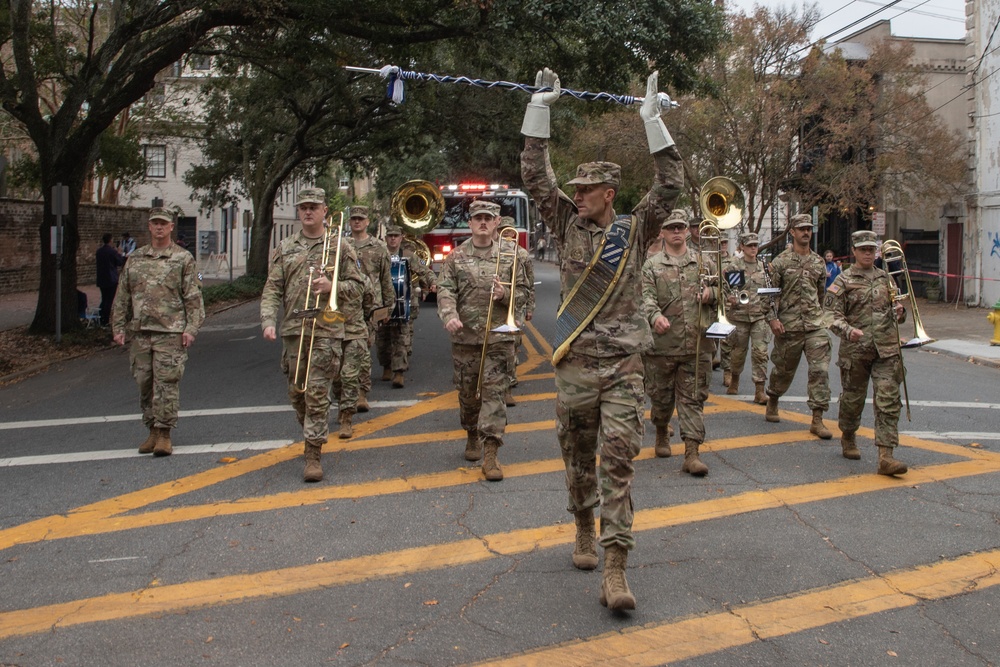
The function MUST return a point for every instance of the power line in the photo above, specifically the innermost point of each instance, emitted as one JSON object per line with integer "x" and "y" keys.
{"x": 930, "y": 14}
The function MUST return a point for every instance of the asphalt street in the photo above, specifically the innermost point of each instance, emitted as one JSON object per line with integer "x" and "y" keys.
{"x": 785, "y": 554}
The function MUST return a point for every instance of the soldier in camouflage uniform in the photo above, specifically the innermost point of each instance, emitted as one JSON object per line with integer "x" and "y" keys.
{"x": 374, "y": 259}
{"x": 297, "y": 270}
{"x": 799, "y": 325}
{"x": 866, "y": 318}
{"x": 159, "y": 306}
{"x": 750, "y": 321}
{"x": 525, "y": 311}
{"x": 675, "y": 302}
{"x": 469, "y": 280}
{"x": 354, "y": 347}
{"x": 394, "y": 340}
{"x": 599, "y": 381}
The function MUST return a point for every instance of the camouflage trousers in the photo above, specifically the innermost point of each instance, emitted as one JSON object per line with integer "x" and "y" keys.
{"x": 488, "y": 413}
{"x": 347, "y": 384}
{"x": 312, "y": 406}
{"x": 670, "y": 383}
{"x": 788, "y": 349}
{"x": 886, "y": 373}
{"x": 365, "y": 370}
{"x": 393, "y": 343}
{"x": 724, "y": 347}
{"x": 515, "y": 361}
{"x": 599, "y": 409}
{"x": 157, "y": 361}
{"x": 758, "y": 336}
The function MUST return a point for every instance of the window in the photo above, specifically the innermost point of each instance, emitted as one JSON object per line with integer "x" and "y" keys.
{"x": 201, "y": 63}
{"x": 156, "y": 161}
{"x": 345, "y": 183}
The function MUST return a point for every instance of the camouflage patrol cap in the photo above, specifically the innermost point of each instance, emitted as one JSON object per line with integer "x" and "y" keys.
{"x": 677, "y": 217}
{"x": 800, "y": 220}
{"x": 864, "y": 239}
{"x": 749, "y": 239}
{"x": 595, "y": 173}
{"x": 311, "y": 196}
{"x": 358, "y": 212}
{"x": 393, "y": 230}
{"x": 481, "y": 206}
{"x": 506, "y": 221}
{"x": 160, "y": 213}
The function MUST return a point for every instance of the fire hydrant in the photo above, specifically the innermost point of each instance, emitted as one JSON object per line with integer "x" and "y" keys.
{"x": 994, "y": 318}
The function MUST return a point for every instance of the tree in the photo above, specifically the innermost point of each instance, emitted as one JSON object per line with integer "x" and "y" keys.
{"x": 72, "y": 69}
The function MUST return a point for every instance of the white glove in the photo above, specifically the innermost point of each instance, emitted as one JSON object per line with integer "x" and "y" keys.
{"x": 536, "y": 116}
{"x": 656, "y": 132}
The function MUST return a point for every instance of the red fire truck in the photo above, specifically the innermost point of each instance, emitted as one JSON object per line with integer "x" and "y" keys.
{"x": 454, "y": 228}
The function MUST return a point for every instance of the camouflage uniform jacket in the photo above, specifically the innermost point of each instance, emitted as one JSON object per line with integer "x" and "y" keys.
{"x": 158, "y": 292}
{"x": 464, "y": 291}
{"x": 288, "y": 280}
{"x": 759, "y": 307}
{"x": 356, "y": 312}
{"x": 670, "y": 287}
{"x": 619, "y": 328}
{"x": 375, "y": 263}
{"x": 524, "y": 264}
{"x": 863, "y": 300}
{"x": 802, "y": 279}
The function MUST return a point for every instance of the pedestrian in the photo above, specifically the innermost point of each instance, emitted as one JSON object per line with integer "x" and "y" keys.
{"x": 750, "y": 320}
{"x": 675, "y": 302}
{"x": 374, "y": 260}
{"x": 473, "y": 275}
{"x": 159, "y": 307}
{"x": 799, "y": 325}
{"x": 108, "y": 261}
{"x": 311, "y": 346}
{"x": 601, "y": 330}
{"x": 866, "y": 317}
{"x": 832, "y": 268}
{"x": 394, "y": 339}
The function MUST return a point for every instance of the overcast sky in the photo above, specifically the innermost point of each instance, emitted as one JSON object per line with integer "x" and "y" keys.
{"x": 910, "y": 18}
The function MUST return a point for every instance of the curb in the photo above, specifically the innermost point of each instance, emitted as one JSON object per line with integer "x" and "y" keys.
{"x": 979, "y": 361}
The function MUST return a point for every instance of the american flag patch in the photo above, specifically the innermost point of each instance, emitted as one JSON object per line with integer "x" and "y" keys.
{"x": 833, "y": 289}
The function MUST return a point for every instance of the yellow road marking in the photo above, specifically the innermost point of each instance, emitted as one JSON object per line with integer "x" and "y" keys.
{"x": 293, "y": 580}
{"x": 673, "y": 641}
{"x": 543, "y": 344}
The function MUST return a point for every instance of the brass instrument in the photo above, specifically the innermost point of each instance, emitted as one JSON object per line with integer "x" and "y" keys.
{"x": 743, "y": 297}
{"x": 722, "y": 202}
{"x": 313, "y": 303}
{"x": 508, "y": 235}
{"x": 417, "y": 207}
{"x": 893, "y": 252}
{"x": 331, "y": 314}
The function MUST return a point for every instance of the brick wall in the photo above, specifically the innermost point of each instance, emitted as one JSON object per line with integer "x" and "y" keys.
{"x": 19, "y": 244}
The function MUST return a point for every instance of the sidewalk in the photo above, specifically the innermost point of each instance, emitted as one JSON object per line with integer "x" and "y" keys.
{"x": 960, "y": 332}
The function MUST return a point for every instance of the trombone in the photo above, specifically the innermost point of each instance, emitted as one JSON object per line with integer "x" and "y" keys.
{"x": 313, "y": 303}
{"x": 892, "y": 252}
{"x": 509, "y": 234}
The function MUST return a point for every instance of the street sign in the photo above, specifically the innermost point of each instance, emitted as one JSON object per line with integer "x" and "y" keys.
{"x": 878, "y": 222}
{"x": 60, "y": 199}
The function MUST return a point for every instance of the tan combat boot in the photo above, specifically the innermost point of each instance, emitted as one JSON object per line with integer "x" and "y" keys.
{"x": 313, "y": 471}
{"x": 693, "y": 464}
{"x": 362, "y": 405}
{"x": 615, "y": 593}
{"x": 727, "y": 379}
{"x": 662, "y": 446}
{"x": 849, "y": 446}
{"x": 147, "y": 445}
{"x": 162, "y": 447}
{"x": 759, "y": 396}
{"x": 473, "y": 446}
{"x": 346, "y": 429}
{"x": 888, "y": 465}
{"x": 509, "y": 400}
{"x": 491, "y": 467}
{"x": 818, "y": 428}
{"x": 771, "y": 414}
{"x": 397, "y": 380}
{"x": 585, "y": 553}
{"x": 734, "y": 384}
{"x": 386, "y": 374}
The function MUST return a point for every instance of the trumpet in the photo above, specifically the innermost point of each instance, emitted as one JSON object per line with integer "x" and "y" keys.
{"x": 743, "y": 297}
{"x": 509, "y": 235}
{"x": 892, "y": 252}
{"x": 313, "y": 302}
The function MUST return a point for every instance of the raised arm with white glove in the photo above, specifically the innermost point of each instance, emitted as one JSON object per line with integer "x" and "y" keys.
{"x": 656, "y": 132}
{"x": 536, "y": 116}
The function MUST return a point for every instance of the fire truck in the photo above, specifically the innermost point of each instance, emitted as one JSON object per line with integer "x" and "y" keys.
{"x": 454, "y": 227}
